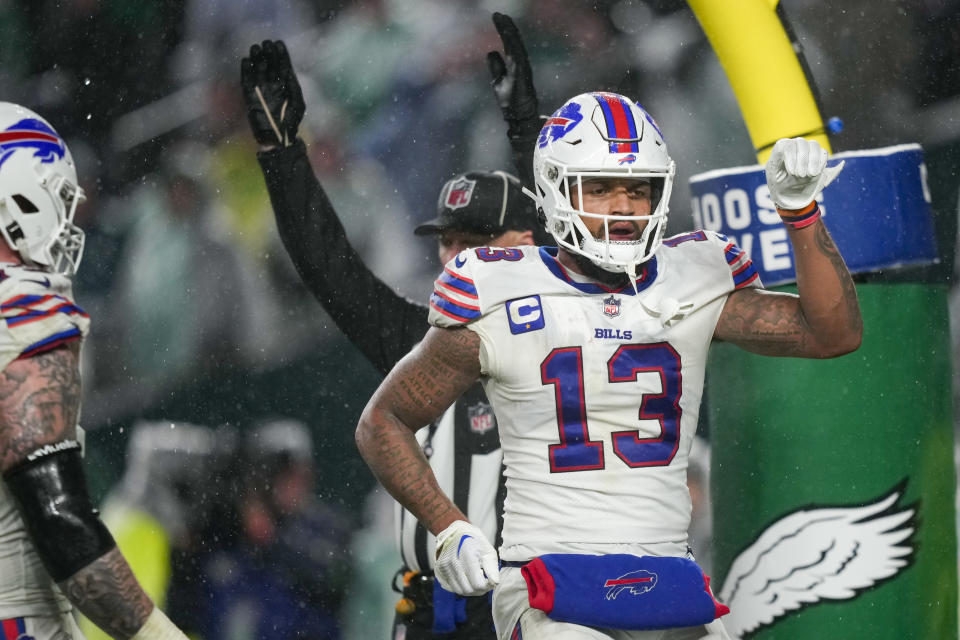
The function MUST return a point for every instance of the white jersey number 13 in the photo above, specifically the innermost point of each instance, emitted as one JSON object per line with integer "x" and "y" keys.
{"x": 563, "y": 369}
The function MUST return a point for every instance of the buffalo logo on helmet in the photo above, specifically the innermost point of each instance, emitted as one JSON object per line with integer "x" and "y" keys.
{"x": 629, "y": 159}
{"x": 31, "y": 133}
{"x": 560, "y": 123}
{"x": 460, "y": 193}
{"x": 636, "y": 582}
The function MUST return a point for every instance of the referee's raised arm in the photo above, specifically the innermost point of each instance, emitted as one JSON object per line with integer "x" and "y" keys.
{"x": 381, "y": 323}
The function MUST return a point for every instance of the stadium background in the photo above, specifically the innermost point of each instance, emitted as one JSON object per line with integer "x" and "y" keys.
{"x": 198, "y": 315}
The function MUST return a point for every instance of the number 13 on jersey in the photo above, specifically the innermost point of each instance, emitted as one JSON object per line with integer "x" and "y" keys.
{"x": 563, "y": 368}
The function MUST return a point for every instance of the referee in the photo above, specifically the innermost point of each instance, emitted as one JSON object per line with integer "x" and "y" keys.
{"x": 474, "y": 209}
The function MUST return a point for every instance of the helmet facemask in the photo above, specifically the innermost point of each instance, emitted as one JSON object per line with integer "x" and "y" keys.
{"x": 66, "y": 247}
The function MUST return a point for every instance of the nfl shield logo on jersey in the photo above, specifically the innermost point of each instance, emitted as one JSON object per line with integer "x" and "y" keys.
{"x": 481, "y": 417}
{"x": 460, "y": 193}
{"x": 611, "y": 306}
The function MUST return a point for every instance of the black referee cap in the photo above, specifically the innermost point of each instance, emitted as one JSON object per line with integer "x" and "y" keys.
{"x": 481, "y": 202}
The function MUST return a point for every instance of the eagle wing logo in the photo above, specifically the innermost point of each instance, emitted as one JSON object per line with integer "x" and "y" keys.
{"x": 816, "y": 554}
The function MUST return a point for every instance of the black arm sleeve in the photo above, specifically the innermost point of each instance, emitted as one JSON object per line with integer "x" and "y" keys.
{"x": 51, "y": 493}
{"x": 523, "y": 140}
{"x": 382, "y": 324}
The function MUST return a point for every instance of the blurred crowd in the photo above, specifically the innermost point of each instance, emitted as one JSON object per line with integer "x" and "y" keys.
{"x": 183, "y": 272}
{"x": 225, "y": 532}
{"x": 188, "y": 286}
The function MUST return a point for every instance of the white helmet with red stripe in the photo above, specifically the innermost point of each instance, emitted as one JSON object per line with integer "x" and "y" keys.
{"x": 38, "y": 192}
{"x": 601, "y": 135}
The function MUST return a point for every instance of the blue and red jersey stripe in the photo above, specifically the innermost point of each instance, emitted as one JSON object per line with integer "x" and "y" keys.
{"x": 13, "y": 628}
{"x": 453, "y": 309}
{"x": 24, "y": 300}
{"x": 33, "y": 308}
{"x": 746, "y": 272}
{"x": 51, "y": 342}
{"x": 458, "y": 283}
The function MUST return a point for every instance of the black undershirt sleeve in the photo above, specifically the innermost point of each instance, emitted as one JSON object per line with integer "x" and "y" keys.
{"x": 523, "y": 140}
{"x": 382, "y": 324}
{"x": 521, "y": 146}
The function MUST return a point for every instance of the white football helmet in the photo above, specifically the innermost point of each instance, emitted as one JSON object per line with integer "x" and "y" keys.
{"x": 604, "y": 135}
{"x": 38, "y": 192}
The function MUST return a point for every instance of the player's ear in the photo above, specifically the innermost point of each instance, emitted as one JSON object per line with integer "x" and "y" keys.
{"x": 526, "y": 237}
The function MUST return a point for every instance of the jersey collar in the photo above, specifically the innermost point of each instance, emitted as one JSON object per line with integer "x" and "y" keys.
{"x": 549, "y": 257}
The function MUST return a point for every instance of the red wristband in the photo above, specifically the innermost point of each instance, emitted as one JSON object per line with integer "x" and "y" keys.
{"x": 800, "y": 218}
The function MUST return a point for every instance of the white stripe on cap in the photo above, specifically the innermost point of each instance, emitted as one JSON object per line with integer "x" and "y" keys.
{"x": 506, "y": 185}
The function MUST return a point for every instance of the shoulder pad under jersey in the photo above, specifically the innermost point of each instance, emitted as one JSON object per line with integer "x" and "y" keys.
{"x": 706, "y": 246}
{"x": 37, "y": 312}
{"x": 459, "y": 291}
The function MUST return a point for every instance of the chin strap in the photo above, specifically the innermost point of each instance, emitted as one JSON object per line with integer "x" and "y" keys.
{"x": 631, "y": 271}
{"x": 24, "y": 250}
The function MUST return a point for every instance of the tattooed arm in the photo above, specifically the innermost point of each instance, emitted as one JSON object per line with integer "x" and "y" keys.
{"x": 420, "y": 388}
{"x": 823, "y": 321}
{"x": 39, "y": 405}
{"x": 107, "y": 592}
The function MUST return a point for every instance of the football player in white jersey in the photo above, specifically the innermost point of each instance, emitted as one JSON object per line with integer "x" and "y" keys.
{"x": 593, "y": 355}
{"x": 55, "y": 553}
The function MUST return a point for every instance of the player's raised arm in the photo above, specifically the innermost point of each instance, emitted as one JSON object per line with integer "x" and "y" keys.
{"x": 381, "y": 323}
{"x": 512, "y": 81}
{"x": 823, "y": 321}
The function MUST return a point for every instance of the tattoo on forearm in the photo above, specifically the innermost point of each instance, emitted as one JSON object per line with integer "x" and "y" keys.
{"x": 407, "y": 474}
{"x": 767, "y": 324}
{"x": 421, "y": 388}
{"x": 827, "y": 246}
{"x": 39, "y": 403}
{"x": 107, "y": 592}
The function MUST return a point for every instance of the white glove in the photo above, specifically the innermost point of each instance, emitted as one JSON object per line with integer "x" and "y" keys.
{"x": 466, "y": 563}
{"x": 797, "y": 171}
{"x": 157, "y": 626}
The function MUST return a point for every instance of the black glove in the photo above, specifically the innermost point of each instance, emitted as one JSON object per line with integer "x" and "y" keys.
{"x": 272, "y": 94}
{"x": 513, "y": 80}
